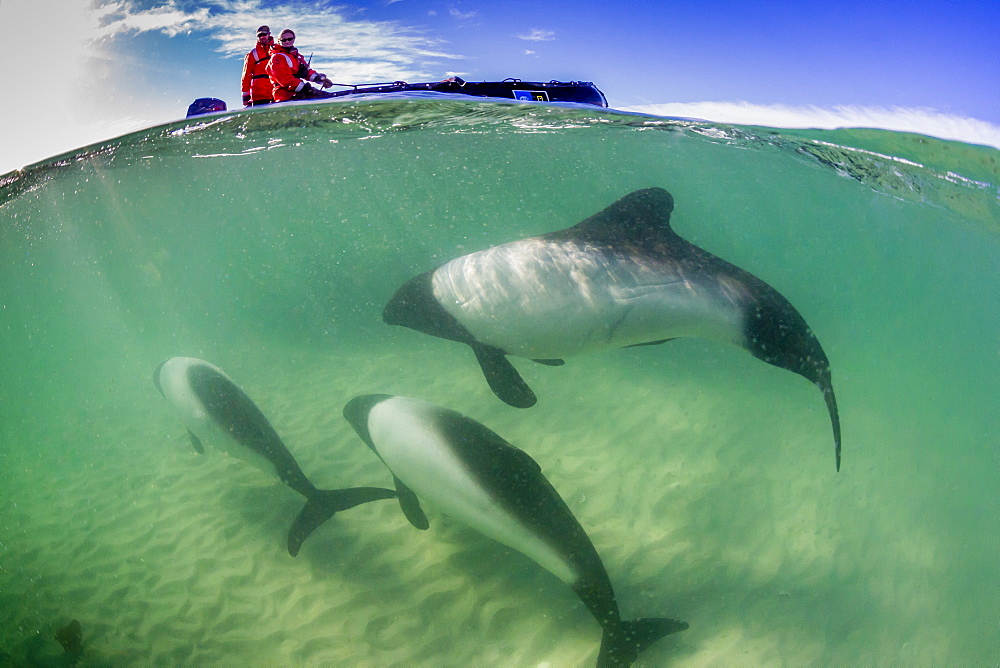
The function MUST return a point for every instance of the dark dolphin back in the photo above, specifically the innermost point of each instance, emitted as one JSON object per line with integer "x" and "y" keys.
{"x": 235, "y": 412}
{"x": 517, "y": 484}
{"x": 774, "y": 331}
{"x": 637, "y": 224}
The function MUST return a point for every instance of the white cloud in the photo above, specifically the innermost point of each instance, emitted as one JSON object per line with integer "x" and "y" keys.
{"x": 921, "y": 121}
{"x": 538, "y": 35}
{"x": 461, "y": 16}
{"x": 86, "y": 94}
{"x": 69, "y": 65}
{"x": 383, "y": 49}
{"x": 119, "y": 18}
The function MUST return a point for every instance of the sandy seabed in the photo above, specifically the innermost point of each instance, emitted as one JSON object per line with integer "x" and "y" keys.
{"x": 704, "y": 507}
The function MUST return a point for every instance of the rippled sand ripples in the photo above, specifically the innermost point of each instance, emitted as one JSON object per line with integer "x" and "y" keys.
{"x": 169, "y": 557}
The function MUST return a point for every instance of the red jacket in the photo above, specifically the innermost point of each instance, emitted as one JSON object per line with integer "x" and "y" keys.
{"x": 255, "y": 80}
{"x": 289, "y": 73}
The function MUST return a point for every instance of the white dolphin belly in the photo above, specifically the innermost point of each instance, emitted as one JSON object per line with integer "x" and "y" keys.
{"x": 538, "y": 299}
{"x": 402, "y": 430}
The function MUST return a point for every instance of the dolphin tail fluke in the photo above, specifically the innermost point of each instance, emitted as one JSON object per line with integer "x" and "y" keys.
{"x": 622, "y": 644}
{"x": 831, "y": 405}
{"x": 503, "y": 378}
{"x": 825, "y": 385}
{"x": 326, "y": 503}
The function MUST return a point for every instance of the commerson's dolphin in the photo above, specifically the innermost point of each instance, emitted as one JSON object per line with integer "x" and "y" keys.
{"x": 473, "y": 475}
{"x": 620, "y": 278}
{"x": 214, "y": 408}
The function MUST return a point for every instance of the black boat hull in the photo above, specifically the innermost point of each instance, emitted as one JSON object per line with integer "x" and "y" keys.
{"x": 581, "y": 92}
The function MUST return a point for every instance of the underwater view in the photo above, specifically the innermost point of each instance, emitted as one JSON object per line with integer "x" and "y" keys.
{"x": 668, "y": 310}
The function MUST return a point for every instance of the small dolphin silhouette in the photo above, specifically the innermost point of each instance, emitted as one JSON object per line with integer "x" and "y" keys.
{"x": 214, "y": 406}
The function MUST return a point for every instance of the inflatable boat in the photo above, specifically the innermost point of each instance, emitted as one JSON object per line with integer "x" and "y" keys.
{"x": 583, "y": 92}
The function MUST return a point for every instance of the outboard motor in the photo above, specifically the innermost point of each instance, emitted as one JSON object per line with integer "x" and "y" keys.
{"x": 205, "y": 105}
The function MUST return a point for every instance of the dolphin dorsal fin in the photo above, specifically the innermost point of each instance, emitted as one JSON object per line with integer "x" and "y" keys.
{"x": 638, "y": 221}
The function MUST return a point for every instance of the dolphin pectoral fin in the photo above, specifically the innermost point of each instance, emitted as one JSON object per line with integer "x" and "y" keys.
{"x": 503, "y": 378}
{"x": 325, "y": 504}
{"x": 623, "y": 643}
{"x": 410, "y": 505}
{"x": 550, "y": 362}
{"x": 196, "y": 442}
{"x": 650, "y": 343}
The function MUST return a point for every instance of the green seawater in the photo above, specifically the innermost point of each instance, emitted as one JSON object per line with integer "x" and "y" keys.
{"x": 268, "y": 241}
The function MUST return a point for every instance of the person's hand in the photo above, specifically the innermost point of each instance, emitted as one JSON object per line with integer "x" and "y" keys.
{"x": 326, "y": 81}
{"x": 306, "y": 88}
{"x": 246, "y": 99}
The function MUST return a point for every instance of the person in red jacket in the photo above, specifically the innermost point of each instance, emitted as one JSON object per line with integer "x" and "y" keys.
{"x": 256, "y": 84}
{"x": 290, "y": 74}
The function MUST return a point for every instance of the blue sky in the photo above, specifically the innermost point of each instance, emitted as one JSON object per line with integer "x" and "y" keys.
{"x": 89, "y": 70}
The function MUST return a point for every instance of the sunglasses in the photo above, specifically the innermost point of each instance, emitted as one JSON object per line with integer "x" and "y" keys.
{"x": 287, "y": 39}
{"x": 263, "y": 34}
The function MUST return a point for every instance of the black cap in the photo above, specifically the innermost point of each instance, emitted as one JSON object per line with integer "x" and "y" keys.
{"x": 263, "y": 29}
